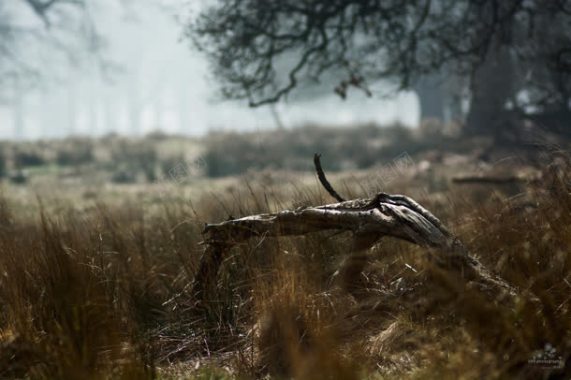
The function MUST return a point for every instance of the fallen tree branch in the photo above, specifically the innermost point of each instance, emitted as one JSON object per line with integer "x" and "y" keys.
{"x": 383, "y": 215}
{"x": 369, "y": 220}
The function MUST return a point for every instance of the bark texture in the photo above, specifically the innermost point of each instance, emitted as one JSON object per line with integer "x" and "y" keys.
{"x": 368, "y": 219}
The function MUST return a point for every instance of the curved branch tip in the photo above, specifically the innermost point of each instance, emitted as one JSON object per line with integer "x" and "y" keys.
{"x": 324, "y": 182}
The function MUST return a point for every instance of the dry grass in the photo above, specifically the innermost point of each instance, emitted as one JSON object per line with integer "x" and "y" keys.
{"x": 103, "y": 292}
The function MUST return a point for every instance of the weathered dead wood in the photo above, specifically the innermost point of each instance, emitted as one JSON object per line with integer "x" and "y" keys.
{"x": 383, "y": 215}
{"x": 369, "y": 220}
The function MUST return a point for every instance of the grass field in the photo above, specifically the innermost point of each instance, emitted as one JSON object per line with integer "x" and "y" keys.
{"x": 95, "y": 280}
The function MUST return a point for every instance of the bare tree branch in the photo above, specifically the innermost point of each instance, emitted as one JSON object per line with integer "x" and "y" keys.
{"x": 41, "y": 8}
{"x": 264, "y": 50}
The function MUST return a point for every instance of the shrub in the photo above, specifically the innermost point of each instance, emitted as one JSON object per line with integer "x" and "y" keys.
{"x": 133, "y": 158}
{"x": 2, "y": 163}
{"x": 359, "y": 147}
{"x": 24, "y": 159}
{"x": 75, "y": 152}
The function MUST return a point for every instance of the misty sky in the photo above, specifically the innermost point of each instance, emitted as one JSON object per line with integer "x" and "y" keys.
{"x": 161, "y": 83}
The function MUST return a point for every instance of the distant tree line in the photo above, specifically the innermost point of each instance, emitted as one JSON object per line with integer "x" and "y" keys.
{"x": 360, "y": 147}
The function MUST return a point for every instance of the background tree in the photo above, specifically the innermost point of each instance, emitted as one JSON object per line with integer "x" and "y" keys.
{"x": 515, "y": 53}
{"x": 41, "y": 38}
{"x": 45, "y": 43}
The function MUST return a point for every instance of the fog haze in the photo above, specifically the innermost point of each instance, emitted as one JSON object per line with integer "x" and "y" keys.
{"x": 148, "y": 78}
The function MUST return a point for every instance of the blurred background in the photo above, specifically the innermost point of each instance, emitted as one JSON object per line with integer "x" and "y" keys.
{"x": 123, "y": 66}
{"x": 123, "y": 91}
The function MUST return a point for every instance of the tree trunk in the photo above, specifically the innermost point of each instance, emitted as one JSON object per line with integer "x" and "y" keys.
{"x": 492, "y": 87}
{"x": 72, "y": 95}
{"x": 110, "y": 110}
{"x": 184, "y": 105}
{"x": 430, "y": 98}
{"x": 18, "y": 109}
{"x": 134, "y": 101}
